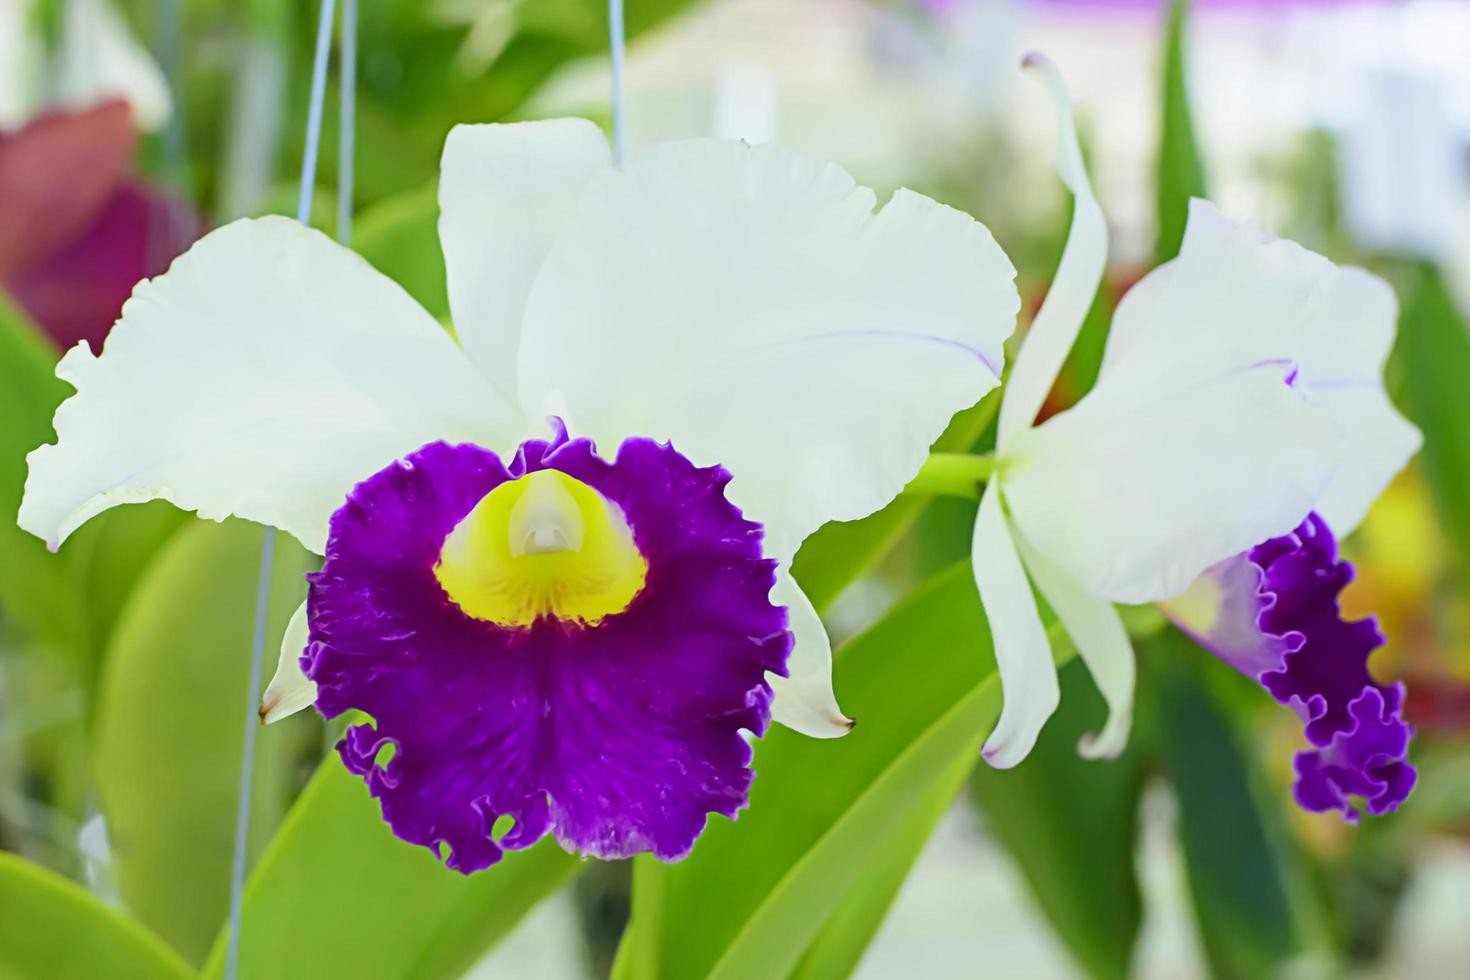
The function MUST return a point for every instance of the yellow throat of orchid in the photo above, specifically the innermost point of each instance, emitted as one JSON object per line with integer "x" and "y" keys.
{"x": 545, "y": 545}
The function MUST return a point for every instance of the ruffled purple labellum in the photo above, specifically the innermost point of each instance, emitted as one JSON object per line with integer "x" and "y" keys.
{"x": 619, "y": 729}
{"x": 1272, "y": 613}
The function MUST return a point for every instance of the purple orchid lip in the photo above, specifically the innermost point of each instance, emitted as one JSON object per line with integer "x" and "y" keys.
{"x": 619, "y": 737}
{"x": 1272, "y": 613}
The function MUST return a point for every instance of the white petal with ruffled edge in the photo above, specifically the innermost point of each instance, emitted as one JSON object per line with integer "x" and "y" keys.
{"x": 1022, "y": 652}
{"x": 1342, "y": 371}
{"x": 290, "y": 690}
{"x": 804, "y": 698}
{"x": 1236, "y": 298}
{"x": 1148, "y": 481}
{"x": 266, "y": 373}
{"x": 747, "y": 303}
{"x": 504, "y": 189}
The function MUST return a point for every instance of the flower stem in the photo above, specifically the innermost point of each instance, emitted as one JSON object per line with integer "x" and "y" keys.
{"x": 952, "y": 475}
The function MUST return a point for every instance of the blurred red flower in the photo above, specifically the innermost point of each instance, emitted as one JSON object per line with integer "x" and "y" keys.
{"x": 77, "y": 232}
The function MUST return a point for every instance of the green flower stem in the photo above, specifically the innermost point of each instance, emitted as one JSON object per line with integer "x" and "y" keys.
{"x": 952, "y": 475}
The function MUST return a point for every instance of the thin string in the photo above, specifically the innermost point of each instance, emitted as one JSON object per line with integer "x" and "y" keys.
{"x": 268, "y": 543}
{"x": 314, "y": 112}
{"x": 616, "y": 43}
{"x": 347, "y": 121}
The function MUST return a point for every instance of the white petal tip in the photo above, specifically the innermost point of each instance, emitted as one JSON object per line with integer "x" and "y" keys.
{"x": 1099, "y": 747}
{"x": 1003, "y": 755}
{"x": 828, "y": 726}
{"x": 276, "y": 705}
{"x": 1111, "y": 741}
{"x": 1035, "y": 60}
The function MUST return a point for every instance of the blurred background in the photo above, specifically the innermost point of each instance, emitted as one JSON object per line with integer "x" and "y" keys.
{"x": 128, "y": 128}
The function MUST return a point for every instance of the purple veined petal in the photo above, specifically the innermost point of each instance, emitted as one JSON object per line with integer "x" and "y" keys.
{"x": 619, "y": 737}
{"x": 1272, "y": 613}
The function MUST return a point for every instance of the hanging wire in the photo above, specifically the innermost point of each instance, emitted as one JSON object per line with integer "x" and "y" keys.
{"x": 177, "y": 225}
{"x": 347, "y": 121}
{"x": 616, "y": 43}
{"x": 268, "y": 543}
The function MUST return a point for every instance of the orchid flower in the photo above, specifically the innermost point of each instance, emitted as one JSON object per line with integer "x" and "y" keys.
{"x": 1239, "y": 413}
{"x": 571, "y": 640}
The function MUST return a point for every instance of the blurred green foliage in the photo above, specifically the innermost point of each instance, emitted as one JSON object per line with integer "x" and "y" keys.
{"x": 53, "y": 928}
{"x": 179, "y": 662}
{"x": 336, "y": 894}
{"x": 757, "y": 893}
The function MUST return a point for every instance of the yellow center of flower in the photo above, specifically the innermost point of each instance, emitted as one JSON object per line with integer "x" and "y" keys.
{"x": 543, "y": 545}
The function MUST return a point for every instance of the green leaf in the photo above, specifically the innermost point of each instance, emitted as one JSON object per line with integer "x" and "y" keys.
{"x": 1238, "y": 886}
{"x": 850, "y": 929}
{"x": 54, "y": 929}
{"x": 841, "y": 551}
{"x": 67, "y": 602}
{"x": 35, "y": 591}
{"x": 1181, "y": 172}
{"x": 1434, "y": 350}
{"x": 1070, "y": 824}
{"x": 755, "y": 894}
{"x": 169, "y": 729}
{"x": 337, "y": 895}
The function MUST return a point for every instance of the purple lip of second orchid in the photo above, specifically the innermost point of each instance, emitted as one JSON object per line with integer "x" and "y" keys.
{"x": 619, "y": 737}
{"x": 1276, "y": 618}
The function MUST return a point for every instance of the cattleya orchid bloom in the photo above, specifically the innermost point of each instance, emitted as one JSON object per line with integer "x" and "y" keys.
{"x": 1238, "y": 416}
{"x": 571, "y": 640}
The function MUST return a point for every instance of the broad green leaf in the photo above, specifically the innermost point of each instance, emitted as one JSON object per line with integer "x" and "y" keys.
{"x": 841, "y": 551}
{"x": 1070, "y": 824}
{"x": 35, "y": 591}
{"x": 755, "y": 894}
{"x": 170, "y": 722}
{"x": 850, "y": 929}
{"x": 1434, "y": 350}
{"x": 67, "y": 602}
{"x": 400, "y": 236}
{"x": 337, "y": 895}
{"x": 1237, "y": 883}
{"x": 1181, "y": 172}
{"x": 53, "y": 929}
{"x": 107, "y": 558}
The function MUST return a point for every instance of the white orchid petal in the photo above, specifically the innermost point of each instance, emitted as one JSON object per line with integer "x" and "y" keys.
{"x": 1101, "y": 641}
{"x": 1235, "y": 298}
{"x": 1242, "y": 389}
{"x": 804, "y": 700}
{"x": 1383, "y": 442}
{"x": 1022, "y": 652}
{"x": 100, "y": 60}
{"x": 289, "y": 690}
{"x": 1342, "y": 371}
{"x": 266, "y": 373}
{"x": 1055, "y": 328}
{"x": 504, "y": 190}
{"x": 747, "y": 303}
{"x": 1150, "y": 480}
